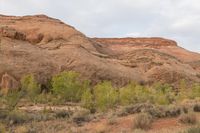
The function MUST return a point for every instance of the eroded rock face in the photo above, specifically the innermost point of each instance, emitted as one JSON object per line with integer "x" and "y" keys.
{"x": 143, "y": 42}
{"x": 11, "y": 33}
{"x": 45, "y": 46}
{"x": 8, "y": 83}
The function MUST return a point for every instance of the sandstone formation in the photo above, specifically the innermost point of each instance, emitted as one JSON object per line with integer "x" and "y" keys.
{"x": 45, "y": 46}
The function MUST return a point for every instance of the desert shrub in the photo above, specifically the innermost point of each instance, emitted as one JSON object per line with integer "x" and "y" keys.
{"x": 3, "y": 114}
{"x": 196, "y": 108}
{"x": 13, "y": 98}
{"x": 163, "y": 94}
{"x": 62, "y": 114}
{"x": 134, "y": 93}
{"x": 2, "y": 128}
{"x": 67, "y": 86}
{"x": 172, "y": 111}
{"x": 134, "y": 108}
{"x": 112, "y": 120}
{"x": 137, "y": 108}
{"x": 156, "y": 112}
{"x": 189, "y": 118}
{"x": 142, "y": 121}
{"x": 17, "y": 117}
{"x": 43, "y": 115}
{"x": 81, "y": 116}
{"x": 105, "y": 96}
{"x": 193, "y": 130}
{"x": 30, "y": 86}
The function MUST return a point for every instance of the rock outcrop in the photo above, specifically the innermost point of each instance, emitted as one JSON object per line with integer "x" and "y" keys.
{"x": 8, "y": 83}
{"x": 45, "y": 46}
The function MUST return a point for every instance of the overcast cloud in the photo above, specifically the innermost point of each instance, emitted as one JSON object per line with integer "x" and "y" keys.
{"x": 175, "y": 19}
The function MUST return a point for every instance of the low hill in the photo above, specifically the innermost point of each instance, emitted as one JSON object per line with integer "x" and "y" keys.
{"x": 45, "y": 46}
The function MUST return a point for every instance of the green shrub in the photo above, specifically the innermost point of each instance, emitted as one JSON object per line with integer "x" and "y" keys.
{"x": 67, "y": 86}
{"x": 62, "y": 114}
{"x": 189, "y": 118}
{"x": 142, "y": 121}
{"x": 106, "y": 96}
{"x": 30, "y": 86}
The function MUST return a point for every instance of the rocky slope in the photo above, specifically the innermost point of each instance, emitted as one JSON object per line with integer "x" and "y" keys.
{"x": 45, "y": 46}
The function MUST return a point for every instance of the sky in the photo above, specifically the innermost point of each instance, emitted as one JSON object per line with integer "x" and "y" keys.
{"x": 174, "y": 19}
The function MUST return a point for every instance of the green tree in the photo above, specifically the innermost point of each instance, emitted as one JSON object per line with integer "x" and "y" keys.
{"x": 163, "y": 94}
{"x": 183, "y": 92}
{"x": 67, "y": 86}
{"x": 134, "y": 93}
{"x": 194, "y": 91}
{"x": 87, "y": 99}
{"x": 105, "y": 96}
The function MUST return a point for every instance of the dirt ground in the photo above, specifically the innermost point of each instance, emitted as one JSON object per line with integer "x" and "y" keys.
{"x": 102, "y": 124}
